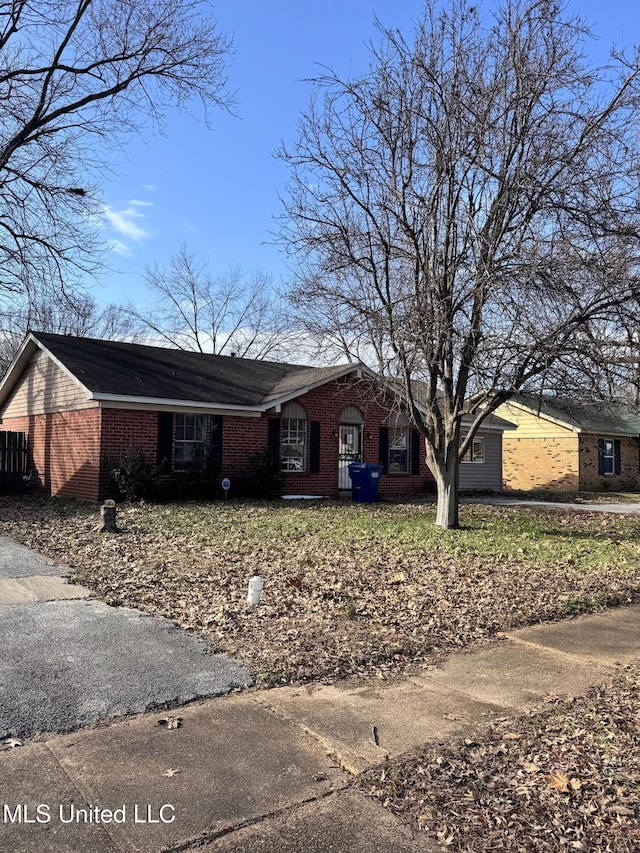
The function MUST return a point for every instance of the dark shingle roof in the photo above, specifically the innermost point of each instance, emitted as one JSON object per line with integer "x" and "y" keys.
{"x": 135, "y": 370}
{"x": 603, "y": 418}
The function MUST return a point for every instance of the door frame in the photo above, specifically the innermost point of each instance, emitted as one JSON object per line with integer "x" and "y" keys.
{"x": 346, "y": 457}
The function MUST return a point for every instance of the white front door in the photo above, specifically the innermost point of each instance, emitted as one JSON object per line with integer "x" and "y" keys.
{"x": 349, "y": 450}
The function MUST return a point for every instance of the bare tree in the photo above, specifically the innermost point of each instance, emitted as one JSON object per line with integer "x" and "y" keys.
{"x": 78, "y": 77}
{"x": 237, "y": 312}
{"x": 472, "y": 202}
{"x": 72, "y": 313}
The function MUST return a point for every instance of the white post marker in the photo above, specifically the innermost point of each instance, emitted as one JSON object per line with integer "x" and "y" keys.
{"x": 256, "y": 584}
{"x": 226, "y": 485}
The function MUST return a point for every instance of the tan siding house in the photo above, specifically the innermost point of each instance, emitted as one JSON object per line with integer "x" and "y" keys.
{"x": 569, "y": 445}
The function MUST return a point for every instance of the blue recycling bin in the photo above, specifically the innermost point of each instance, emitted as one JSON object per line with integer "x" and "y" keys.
{"x": 365, "y": 477}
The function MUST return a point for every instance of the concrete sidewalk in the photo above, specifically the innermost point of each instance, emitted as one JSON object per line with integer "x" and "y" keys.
{"x": 271, "y": 770}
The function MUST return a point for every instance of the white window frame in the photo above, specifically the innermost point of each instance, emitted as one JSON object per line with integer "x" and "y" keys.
{"x": 293, "y": 440}
{"x": 398, "y": 445}
{"x": 475, "y": 455}
{"x": 190, "y": 433}
{"x": 608, "y": 457}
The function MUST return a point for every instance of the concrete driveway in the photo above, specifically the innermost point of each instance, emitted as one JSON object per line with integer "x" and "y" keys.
{"x": 498, "y": 500}
{"x": 68, "y": 661}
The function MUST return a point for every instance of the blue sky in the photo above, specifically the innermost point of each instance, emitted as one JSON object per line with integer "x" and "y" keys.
{"x": 217, "y": 191}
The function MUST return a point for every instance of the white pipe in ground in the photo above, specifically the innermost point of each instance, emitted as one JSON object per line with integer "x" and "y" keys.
{"x": 256, "y": 583}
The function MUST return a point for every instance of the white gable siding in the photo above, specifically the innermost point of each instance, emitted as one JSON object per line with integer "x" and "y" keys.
{"x": 44, "y": 388}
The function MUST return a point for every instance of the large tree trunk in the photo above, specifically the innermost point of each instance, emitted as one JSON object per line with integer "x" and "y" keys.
{"x": 445, "y": 470}
{"x": 447, "y": 509}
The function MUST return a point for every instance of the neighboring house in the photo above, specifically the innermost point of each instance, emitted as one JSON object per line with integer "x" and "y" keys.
{"x": 481, "y": 468}
{"x": 82, "y": 401}
{"x": 569, "y": 445}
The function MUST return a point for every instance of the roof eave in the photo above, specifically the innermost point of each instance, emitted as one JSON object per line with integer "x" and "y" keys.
{"x": 157, "y": 403}
{"x": 534, "y": 411}
{"x": 19, "y": 362}
{"x": 24, "y": 355}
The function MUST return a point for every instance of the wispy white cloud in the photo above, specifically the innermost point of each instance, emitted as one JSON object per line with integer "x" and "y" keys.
{"x": 119, "y": 247}
{"x": 126, "y": 221}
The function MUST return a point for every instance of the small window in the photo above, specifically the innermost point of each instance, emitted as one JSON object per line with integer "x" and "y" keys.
{"x": 293, "y": 438}
{"x": 189, "y": 441}
{"x": 609, "y": 456}
{"x": 475, "y": 453}
{"x": 399, "y": 445}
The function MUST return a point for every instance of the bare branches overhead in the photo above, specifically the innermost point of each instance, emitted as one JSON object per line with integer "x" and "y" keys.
{"x": 236, "y": 312}
{"x": 77, "y": 76}
{"x": 473, "y": 202}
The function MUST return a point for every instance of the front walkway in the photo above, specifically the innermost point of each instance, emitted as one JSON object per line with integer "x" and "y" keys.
{"x": 69, "y": 661}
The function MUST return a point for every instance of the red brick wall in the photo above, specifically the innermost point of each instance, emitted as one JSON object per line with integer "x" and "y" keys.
{"x": 64, "y": 451}
{"x": 243, "y": 436}
{"x": 126, "y": 428}
{"x": 68, "y": 448}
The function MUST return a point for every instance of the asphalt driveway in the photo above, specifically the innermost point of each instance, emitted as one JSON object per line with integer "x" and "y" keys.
{"x": 68, "y": 661}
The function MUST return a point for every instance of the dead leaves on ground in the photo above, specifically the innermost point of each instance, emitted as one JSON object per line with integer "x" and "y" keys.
{"x": 337, "y": 606}
{"x": 570, "y": 780}
{"x": 349, "y": 592}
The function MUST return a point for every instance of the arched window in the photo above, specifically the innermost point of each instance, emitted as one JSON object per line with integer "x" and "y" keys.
{"x": 351, "y": 415}
{"x": 293, "y": 438}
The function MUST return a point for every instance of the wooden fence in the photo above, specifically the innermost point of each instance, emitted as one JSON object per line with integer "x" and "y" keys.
{"x": 13, "y": 460}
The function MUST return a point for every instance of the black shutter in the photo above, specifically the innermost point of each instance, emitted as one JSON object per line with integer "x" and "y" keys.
{"x": 616, "y": 457}
{"x": 215, "y": 448}
{"x": 314, "y": 447}
{"x": 273, "y": 444}
{"x": 416, "y": 443}
{"x": 383, "y": 448}
{"x": 165, "y": 442}
{"x": 601, "y": 456}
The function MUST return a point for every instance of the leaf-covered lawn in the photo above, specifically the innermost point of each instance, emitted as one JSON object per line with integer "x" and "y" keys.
{"x": 350, "y": 590}
{"x": 566, "y": 779}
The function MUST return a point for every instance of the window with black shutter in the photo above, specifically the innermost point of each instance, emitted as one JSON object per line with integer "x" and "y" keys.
{"x": 215, "y": 446}
{"x": 314, "y": 447}
{"x": 383, "y": 448}
{"x": 609, "y": 461}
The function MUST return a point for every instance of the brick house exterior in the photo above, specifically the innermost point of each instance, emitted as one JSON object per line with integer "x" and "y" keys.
{"x": 569, "y": 445}
{"x": 81, "y": 401}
